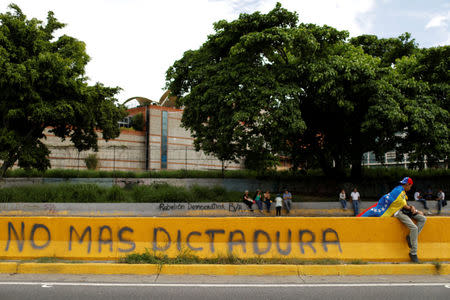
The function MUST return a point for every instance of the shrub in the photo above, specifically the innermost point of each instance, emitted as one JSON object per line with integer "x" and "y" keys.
{"x": 368, "y": 173}
{"x": 137, "y": 122}
{"x": 116, "y": 194}
{"x": 161, "y": 193}
{"x": 91, "y": 162}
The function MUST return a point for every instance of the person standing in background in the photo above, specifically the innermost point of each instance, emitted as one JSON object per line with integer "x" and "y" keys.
{"x": 258, "y": 200}
{"x": 287, "y": 199}
{"x": 343, "y": 199}
{"x": 278, "y": 204}
{"x": 267, "y": 200}
{"x": 441, "y": 200}
{"x": 355, "y": 201}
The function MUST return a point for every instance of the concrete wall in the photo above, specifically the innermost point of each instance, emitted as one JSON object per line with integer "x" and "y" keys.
{"x": 125, "y": 153}
{"x": 128, "y": 151}
{"x": 369, "y": 239}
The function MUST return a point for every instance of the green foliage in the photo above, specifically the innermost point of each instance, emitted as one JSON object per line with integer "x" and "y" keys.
{"x": 187, "y": 257}
{"x": 394, "y": 174}
{"x": 92, "y": 193}
{"x": 78, "y": 193}
{"x": 163, "y": 193}
{"x": 426, "y": 87}
{"x": 238, "y": 98}
{"x": 370, "y": 173}
{"x": 389, "y": 49}
{"x": 264, "y": 85}
{"x": 43, "y": 85}
{"x": 137, "y": 122}
{"x": 116, "y": 194}
{"x": 91, "y": 162}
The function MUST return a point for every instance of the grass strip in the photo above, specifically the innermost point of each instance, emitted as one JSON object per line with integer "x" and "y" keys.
{"x": 92, "y": 193}
{"x": 382, "y": 173}
{"x": 185, "y": 257}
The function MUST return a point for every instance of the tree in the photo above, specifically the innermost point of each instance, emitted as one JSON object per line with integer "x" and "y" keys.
{"x": 138, "y": 122}
{"x": 234, "y": 101}
{"x": 43, "y": 85}
{"x": 425, "y": 85}
{"x": 388, "y": 50}
{"x": 264, "y": 84}
{"x": 422, "y": 77}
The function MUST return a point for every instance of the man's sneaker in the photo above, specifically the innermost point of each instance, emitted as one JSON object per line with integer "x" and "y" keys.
{"x": 414, "y": 258}
{"x": 408, "y": 240}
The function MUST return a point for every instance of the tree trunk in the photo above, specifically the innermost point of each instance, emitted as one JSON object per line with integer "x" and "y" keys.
{"x": 356, "y": 156}
{"x": 356, "y": 167}
{"x": 7, "y": 164}
{"x": 325, "y": 164}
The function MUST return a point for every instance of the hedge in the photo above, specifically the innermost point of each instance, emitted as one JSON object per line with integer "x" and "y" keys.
{"x": 392, "y": 173}
{"x": 91, "y": 193}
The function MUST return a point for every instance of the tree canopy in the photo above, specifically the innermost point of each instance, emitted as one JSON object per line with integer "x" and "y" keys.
{"x": 266, "y": 85}
{"x": 43, "y": 85}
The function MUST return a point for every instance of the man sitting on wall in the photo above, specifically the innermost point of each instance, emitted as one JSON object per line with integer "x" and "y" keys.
{"x": 394, "y": 204}
{"x": 248, "y": 201}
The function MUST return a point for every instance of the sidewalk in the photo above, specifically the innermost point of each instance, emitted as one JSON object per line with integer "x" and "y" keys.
{"x": 211, "y": 209}
{"x": 228, "y": 270}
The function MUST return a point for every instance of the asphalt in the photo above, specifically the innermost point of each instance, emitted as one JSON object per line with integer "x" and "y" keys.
{"x": 32, "y": 286}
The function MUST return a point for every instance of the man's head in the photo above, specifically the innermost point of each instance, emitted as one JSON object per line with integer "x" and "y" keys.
{"x": 406, "y": 183}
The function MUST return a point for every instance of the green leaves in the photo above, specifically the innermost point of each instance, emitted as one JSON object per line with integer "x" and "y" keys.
{"x": 42, "y": 84}
{"x": 264, "y": 85}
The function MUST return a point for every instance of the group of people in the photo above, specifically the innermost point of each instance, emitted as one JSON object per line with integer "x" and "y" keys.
{"x": 419, "y": 196}
{"x": 355, "y": 197}
{"x": 261, "y": 199}
{"x": 422, "y": 197}
{"x": 395, "y": 204}
{"x": 391, "y": 204}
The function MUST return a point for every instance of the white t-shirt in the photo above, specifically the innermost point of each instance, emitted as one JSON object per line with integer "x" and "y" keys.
{"x": 278, "y": 201}
{"x": 441, "y": 196}
{"x": 355, "y": 196}
{"x": 416, "y": 196}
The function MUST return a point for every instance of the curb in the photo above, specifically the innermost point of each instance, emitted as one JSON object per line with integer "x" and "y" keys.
{"x": 258, "y": 270}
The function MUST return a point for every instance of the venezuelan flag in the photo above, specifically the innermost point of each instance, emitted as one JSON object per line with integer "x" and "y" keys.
{"x": 388, "y": 205}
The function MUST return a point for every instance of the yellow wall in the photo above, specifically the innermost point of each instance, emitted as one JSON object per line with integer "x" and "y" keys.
{"x": 372, "y": 239}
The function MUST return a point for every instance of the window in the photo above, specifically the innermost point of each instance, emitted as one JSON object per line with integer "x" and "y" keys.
{"x": 164, "y": 140}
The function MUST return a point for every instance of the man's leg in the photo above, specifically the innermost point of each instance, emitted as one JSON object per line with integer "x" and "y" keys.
{"x": 287, "y": 206}
{"x": 420, "y": 222}
{"x": 356, "y": 207}
{"x": 424, "y": 202}
{"x": 413, "y": 230}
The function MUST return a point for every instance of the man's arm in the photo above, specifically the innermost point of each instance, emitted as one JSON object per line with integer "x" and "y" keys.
{"x": 412, "y": 209}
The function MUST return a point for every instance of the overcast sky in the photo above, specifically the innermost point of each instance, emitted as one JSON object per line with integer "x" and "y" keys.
{"x": 133, "y": 42}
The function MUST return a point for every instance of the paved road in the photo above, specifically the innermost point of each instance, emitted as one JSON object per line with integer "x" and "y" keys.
{"x": 68, "y": 287}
